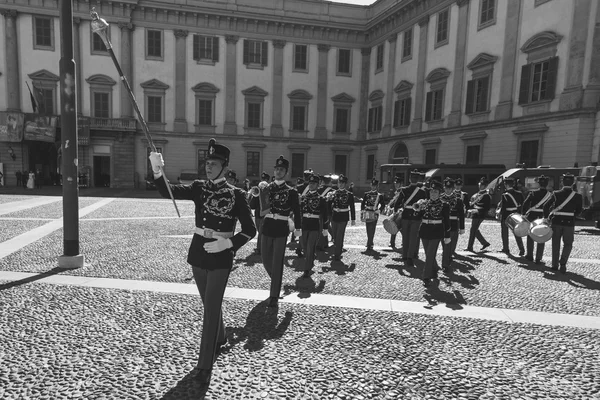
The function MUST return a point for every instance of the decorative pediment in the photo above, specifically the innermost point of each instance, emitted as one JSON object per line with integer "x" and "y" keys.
{"x": 154, "y": 84}
{"x": 300, "y": 94}
{"x": 100, "y": 79}
{"x": 541, "y": 40}
{"x": 438, "y": 74}
{"x": 403, "y": 86}
{"x": 254, "y": 91}
{"x": 205, "y": 87}
{"x": 343, "y": 98}
{"x": 43, "y": 75}
{"x": 376, "y": 95}
{"x": 482, "y": 60}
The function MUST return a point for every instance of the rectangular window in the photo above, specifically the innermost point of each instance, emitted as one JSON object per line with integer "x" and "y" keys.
{"x": 298, "y": 118}
{"x": 343, "y": 64}
{"x": 488, "y": 11}
{"x": 254, "y": 117}
{"x": 430, "y": 156}
{"x": 206, "y": 48}
{"x": 434, "y": 105}
{"x": 297, "y": 165}
{"x": 300, "y": 57}
{"x": 101, "y": 105}
{"x": 374, "y": 119}
{"x": 340, "y": 164}
{"x": 47, "y": 100}
{"x": 529, "y": 153}
{"x": 342, "y": 118}
{"x": 154, "y": 43}
{"x": 202, "y": 164}
{"x": 477, "y": 95}
{"x": 43, "y": 32}
{"x": 98, "y": 44}
{"x": 370, "y": 166}
{"x": 253, "y": 163}
{"x": 379, "y": 60}
{"x": 407, "y": 43}
{"x": 255, "y": 52}
{"x": 154, "y": 108}
{"x": 538, "y": 81}
{"x": 473, "y": 154}
{"x": 402, "y": 112}
{"x": 205, "y": 112}
{"x": 442, "y": 27}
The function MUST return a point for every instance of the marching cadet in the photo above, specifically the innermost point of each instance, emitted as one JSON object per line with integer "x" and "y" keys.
{"x": 434, "y": 227}
{"x": 374, "y": 202}
{"x": 218, "y": 206}
{"x": 324, "y": 191}
{"x": 284, "y": 201}
{"x": 231, "y": 177}
{"x": 255, "y": 205}
{"x": 411, "y": 219}
{"x": 314, "y": 222}
{"x": 464, "y": 196}
{"x": 533, "y": 207}
{"x": 302, "y": 189}
{"x": 299, "y": 183}
{"x": 457, "y": 222}
{"x": 342, "y": 210}
{"x": 562, "y": 208}
{"x": 398, "y": 187}
{"x": 511, "y": 202}
{"x": 479, "y": 205}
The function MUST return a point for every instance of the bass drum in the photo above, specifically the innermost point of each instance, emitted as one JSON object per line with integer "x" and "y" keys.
{"x": 540, "y": 231}
{"x": 392, "y": 223}
{"x": 369, "y": 216}
{"x": 519, "y": 224}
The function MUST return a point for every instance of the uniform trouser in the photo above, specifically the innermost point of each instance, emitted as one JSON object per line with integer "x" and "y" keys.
{"x": 539, "y": 252}
{"x": 323, "y": 241}
{"x": 338, "y": 230}
{"x": 370, "y": 232}
{"x": 258, "y": 221}
{"x": 393, "y": 240}
{"x": 567, "y": 234}
{"x": 448, "y": 249}
{"x": 211, "y": 286}
{"x": 272, "y": 251}
{"x": 430, "y": 246}
{"x": 504, "y": 234}
{"x": 309, "y": 244}
{"x": 410, "y": 238}
{"x": 475, "y": 234}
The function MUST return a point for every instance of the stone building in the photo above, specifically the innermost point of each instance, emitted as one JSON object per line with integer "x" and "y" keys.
{"x": 335, "y": 87}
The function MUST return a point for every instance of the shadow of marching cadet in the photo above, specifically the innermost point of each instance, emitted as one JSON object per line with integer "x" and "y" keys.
{"x": 573, "y": 279}
{"x": 434, "y": 296}
{"x": 588, "y": 232}
{"x": 376, "y": 254}
{"x": 404, "y": 269}
{"x": 186, "y": 388}
{"x": 339, "y": 267}
{"x": 467, "y": 281}
{"x": 305, "y": 287}
{"x": 487, "y": 255}
{"x": 33, "y": 278}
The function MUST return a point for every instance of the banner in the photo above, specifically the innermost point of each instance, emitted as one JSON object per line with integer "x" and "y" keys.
{"x": 11, "y": 127}
{"x": 40, "y": 128}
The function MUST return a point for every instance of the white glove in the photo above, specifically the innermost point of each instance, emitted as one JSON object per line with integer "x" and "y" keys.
{"x": 157, "y": 162}
{"x": 325, "y": 232}
{"x": 218, "y": 245}
{"x": 447, "y": 240}
{"x": 352, "y": 223}
{"x": 298, "y": 232}
{"x": 461, "y": 232}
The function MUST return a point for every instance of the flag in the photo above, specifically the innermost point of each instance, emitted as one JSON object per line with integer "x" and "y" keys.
{"x": 34, "y": 103}
{"x": 37, "y": 99}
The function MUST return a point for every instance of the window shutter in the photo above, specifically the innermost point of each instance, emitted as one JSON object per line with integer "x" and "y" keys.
{"x": 264, "y": 54}
{"x": 525, "y": 81}
{"x": 195, "y": 56}
{"x": 396, "y": 113}
{"x": 246, "y": 52}
{"x": 370, "y": 120}
{"x": 552, "y": 70}
{"x": 215, "y": 49}
{"x": 407, "y": 110}
{"x": 485, "y": 89}
{"x": 379, "y": 117}
{"x": 470, "y": 97}
{"x": 428, "y": 106}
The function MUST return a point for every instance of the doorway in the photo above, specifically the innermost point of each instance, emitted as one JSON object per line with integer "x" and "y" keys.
{"x": 102, "y": 171}
{"x": 42, "y": 157}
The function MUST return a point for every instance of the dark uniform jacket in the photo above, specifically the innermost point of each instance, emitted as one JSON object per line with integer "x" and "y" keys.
{"x": 312, "y": 204}
{"x": 284, "y": 201}
{"x": 342, "y": 206}
{"x": 566, "y": 215}
{"x": 405, "y": 193}
{"x": 434, "y": 210}
{"x": 532, "y": 200}
{"x": 369, "y": 199}
{"x": 218, "y": 205}
{"x": 255, "y": 205}
{"x": 457, "y": 211}
{"x": 508, "y": 205}
{"x": 302, "y": 188}
{"x": 464, "y": 196}
{"x": 394, "y": 200}
{"x": 480, "y": 201}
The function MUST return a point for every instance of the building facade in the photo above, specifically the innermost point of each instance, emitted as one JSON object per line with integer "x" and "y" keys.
{"x": 333, "y": 87}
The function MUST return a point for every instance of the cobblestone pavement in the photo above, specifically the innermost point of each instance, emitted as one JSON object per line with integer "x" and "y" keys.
{"x": 62, "y": 341}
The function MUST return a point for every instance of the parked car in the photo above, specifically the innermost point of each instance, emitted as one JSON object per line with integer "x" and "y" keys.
{"x": 188, "y": 176}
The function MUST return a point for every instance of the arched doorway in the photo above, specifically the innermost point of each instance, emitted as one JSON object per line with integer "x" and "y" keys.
{"x": 399, "y": 154}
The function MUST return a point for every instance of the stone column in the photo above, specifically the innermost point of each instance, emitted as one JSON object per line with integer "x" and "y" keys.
{"x": 230, "y": 126}
{"x": 180, "y": 124}
{"x": 572, "y": 95}
{"x": 591, "y": 93}
{"x": 363, "y": 103}
{"x": 454, "y": 119}
{"x": 389, "y": 100}
{"x": 276, "y": 126}
{"x": 13, "y": 82}
{"x": 417, "y": 123}
{"x": 77, "y": 59}
{"x": 127, "y": 67}
{"x": 509, "y": 58}
{"x": 321, "y": 129}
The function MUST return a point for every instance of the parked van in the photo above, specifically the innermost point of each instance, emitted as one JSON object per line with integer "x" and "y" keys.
{"x": 588, "y": 185}
{"x": 188, "y": 176}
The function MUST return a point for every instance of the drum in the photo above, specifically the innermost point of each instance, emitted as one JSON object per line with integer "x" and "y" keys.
{"x": 392, "y": 223}
{"x": 518, "y": 224}
{"x": 540, "y": 231}
{"x": 368, "y": 216}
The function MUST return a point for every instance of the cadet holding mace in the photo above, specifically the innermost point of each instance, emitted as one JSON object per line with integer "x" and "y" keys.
{"x": 314, "y": 222}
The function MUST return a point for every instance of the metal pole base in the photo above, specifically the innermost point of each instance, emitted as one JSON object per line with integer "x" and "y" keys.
{"x": 70, "y": 262}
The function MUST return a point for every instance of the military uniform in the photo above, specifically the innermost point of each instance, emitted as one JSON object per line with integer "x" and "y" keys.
{"x": 464, "y": 196}
{"x": 284, "y": 201}
{"x": 342, "y": 210}
{"x": 533, "y": 208}
{"x": 258, "y": 218}
{"x": 314, "y": 223}
{"x": 372, "y": 201}
{"x": 478, "y": 207}
{"x": 217, "y": 207}
{"x": 563, "y": 220}
{"x": 457, "y": 223}
{"x": 411, "y": 220}
{"x": 510, "y": 202}
{"x": 302, "y": 189}
{"x": 391, "y": 205}
{"x": 325, "y": 190}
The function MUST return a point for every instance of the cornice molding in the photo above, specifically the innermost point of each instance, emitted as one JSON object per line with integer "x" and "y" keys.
{"x": 438, "y": 74}
{"x": 100, "y": 79}
{"x": 9, "y": 13}
{"x": 481, "y": 60}
{"x": 365, "y": 51}
{"x": 279, "y": 44}
{"x": 43, "y": 75}
{"x": 205, "y": 87}
{"x": 541, "y": 40}
{"x": 232, "y": 39}
{"x": 461, "y": 3}
{"x": 180, "y": 33}
{"x": 403, "y": 86}
{"x": 424, "y": 21}
{"x": 126, "y": 25}
{"x": 323, "y": 47}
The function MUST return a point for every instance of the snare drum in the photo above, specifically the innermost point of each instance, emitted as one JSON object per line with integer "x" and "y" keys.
{"x": 518, "y": 224}
{"x": 392, "y": 223}
{"x": 368, "y": 216}
{"x": 540, "y": 231}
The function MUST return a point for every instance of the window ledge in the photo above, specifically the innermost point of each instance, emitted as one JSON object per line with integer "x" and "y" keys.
{"x": 205, "y": 128}
{"x": 348, "y": 74}
{"x": 487, "y": 24}
{"x": 378, "y": 70}
{"x": 537, "y": 107}
{"x": 46, "y": 48}
{"x": 154, "y": 58}
{"x": 401, "y": 129}
{"x": 407, "y": 58}
{"x": 300, "y": 71}
{"x": 100, "y": 53}
{"x": 160, "y": 126}
{"x": 297, "y": 133}
{"x": 440, "y": 44}
{"x": 342, "y": 133}
{"x": 254, "y": 131}
{"x": 479, "y": 116}
{"x": 255, "y": 66}
{"x": 205, "y": 61}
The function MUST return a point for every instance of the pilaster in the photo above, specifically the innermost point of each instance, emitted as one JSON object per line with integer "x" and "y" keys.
{"x": 454, "y": 119}
{"x": 389, "y": 101}
{"x": 417, "y": 123}
{"x": 591, "y": 94}
{"x": 13, "y": 91}
{"x": 276, "y": 126}
{"x": 230, "y": 126}
{"x": 321, "y": 129}
{"x": 126, "y": 66}
{"x": 507, "y": 81}
{"x": 364, "y": 93}
{"x": 180, "y": 124}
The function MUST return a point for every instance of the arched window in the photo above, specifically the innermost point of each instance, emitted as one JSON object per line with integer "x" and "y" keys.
{"x": 399, "y": 154}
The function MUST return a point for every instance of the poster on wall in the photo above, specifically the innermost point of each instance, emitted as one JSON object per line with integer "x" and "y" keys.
{"x": 11, "y": 127}
{"x": 40, "y": 128}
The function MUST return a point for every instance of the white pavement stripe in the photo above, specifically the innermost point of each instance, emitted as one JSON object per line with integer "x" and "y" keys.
{"x": 134, "y": 218}
{"x": 21, "y": 205}
{"x": 328, "y": 300}
{"x": 17, "y": 243}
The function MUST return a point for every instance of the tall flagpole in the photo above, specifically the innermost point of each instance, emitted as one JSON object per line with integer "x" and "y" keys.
{"x": 68, "y": 129}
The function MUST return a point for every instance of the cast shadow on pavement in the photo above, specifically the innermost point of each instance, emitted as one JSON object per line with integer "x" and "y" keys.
{"x": 377, "y": 255}
{"x": 573, "y": 279}
{"x": 467, "y": 281}
{"x": 304, "y": 287}
{"x": 434, "y": 295}
{"x": 588, "y": 232}
{"x": 33, "y": 278}
{"x": 339, "y": 267}
{"x": 485, "y": 254}
{"x": 405, "y": 269}
{"x": 186, "y": 388}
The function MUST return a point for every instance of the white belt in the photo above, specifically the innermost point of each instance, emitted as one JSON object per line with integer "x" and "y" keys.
{"x": 511, "y": 209}
{"x": 277, "y": 216}
{"x": 431, "y": 221}
{"x": 453, "y": 217}
{"x": 310, "y": 215}
{"x": 478, "y": 208}
{"x": 409, "y": 207}
{"x": 341, "y": 209}
{"x": 567, "y": 214}
{"x": 536, "y": 210}
{"x": 209, "y": 233}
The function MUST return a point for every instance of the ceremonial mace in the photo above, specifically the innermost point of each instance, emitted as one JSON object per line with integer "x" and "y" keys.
{"x": 100, "y": 26}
